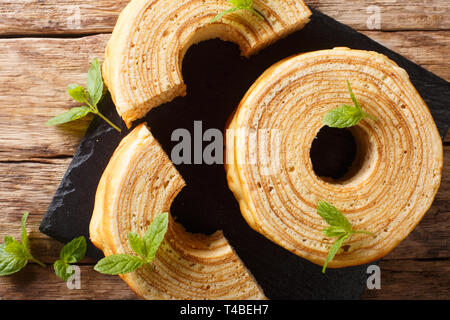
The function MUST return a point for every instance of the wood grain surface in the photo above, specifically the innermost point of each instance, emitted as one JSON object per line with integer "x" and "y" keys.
{"x": 46, "y": 45}
{"x": 69, "y": 17}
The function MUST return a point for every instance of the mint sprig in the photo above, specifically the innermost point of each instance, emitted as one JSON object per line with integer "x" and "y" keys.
{"x": 238, "y": 5}
{"x": 339, "y": 227}
{"x": 71, "y": 253}
{"x": 95, "y": 92}
{"x": 15, "y": 255}
{"x": 346, "y": 116}
{"x": 145, "y": 247}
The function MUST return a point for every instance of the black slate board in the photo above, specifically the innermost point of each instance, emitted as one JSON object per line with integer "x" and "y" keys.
{"x": 217, "y": 78}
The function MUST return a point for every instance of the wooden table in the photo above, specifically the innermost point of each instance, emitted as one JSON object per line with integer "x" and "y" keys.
{"x": 47, "y": 44}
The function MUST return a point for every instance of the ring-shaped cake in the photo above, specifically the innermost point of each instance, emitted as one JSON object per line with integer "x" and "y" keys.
{"x": 391, "y": 183}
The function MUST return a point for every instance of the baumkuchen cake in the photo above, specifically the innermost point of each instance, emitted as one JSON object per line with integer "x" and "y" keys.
{"x": 388, "y": 189}
{"x": 142, "y": 66}
{"x": 139, "y": 183}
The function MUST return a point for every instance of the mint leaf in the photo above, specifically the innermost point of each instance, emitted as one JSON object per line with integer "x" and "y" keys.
{"x": 95, "y": 92}
{"x": 346, "y": 116}
{"x": 334, "y": 231}
{"x": 9, "y": 263}
{"x": 24, "y": 235}
{"x": 339, "y": 227}
{"x": 364, "y": 232}
{"x": 220, "y": 15}
{"x": 61, "y": 269}
{"x": 155, "y": 235}
{"x": 8, "y": 239}
{"x": 17, "y": 249}
{"x": 118, "y": 264}
{"x": 334, "y": 249}
{"x": 238, "y": 5}
{"x": 352, "y": 95}
{"x": 15, "y": 255}
{"x": 146, "y": 247}
{"x": 78, "y": 93}
{"x": 241, "y": 3}
{"x": 137, "y": 244}
{"x": 343, "y": 117}
{"x": 95, "y": 82}
{"x": 71, "y": 115}
{"x": 333, "y": 216}
{"x": 74, "y": 251}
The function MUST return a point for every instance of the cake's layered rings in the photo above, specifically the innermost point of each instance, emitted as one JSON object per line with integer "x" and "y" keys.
{"x": 390, "y": 186}
{"x": 142, "y": 67}
{"x": 139, "y": 183}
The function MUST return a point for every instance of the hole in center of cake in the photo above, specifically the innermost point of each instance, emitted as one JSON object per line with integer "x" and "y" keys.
{"x": 333, "y": 153}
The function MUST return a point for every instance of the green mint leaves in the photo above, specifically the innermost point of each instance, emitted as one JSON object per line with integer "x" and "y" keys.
{"x": 71, "y": 115}
{"x": 119, "y": 264}
{"x": 72, "y": 252}
{"x": 339, "y": 227}
{"x": 94, "y": 83}
{"x": 346, "y": 116}
{"x": 145, "y": 247}
{"x": 95, "y": 92}
{"x": 15, "y": 255}
{"x": 238, "y": 5}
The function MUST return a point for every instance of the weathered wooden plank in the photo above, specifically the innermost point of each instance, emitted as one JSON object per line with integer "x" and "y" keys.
{"x": 26, "y": 17}
{"x": 412, "y": 279}
{"x": 35, "y": 72}
{"x": 424, "y": 48}
{"x": 34, "y": 282}
{"x": 394, "y": 14}
{"x": 405, "y": 279}
{"x": 29, "y": 186}
{"x": 429, "y": 240}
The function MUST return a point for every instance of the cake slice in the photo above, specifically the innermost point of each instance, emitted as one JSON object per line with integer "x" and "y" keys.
{"x": 139, "y": 183}
{"x": 387, "y": 190}
{"x": 143, "y": 58}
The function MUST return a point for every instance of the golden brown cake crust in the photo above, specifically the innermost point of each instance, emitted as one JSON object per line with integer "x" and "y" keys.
{"x": 139, "y": 183}
{"x": 142, "y": 66}
{"x": 394, "y": 179}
